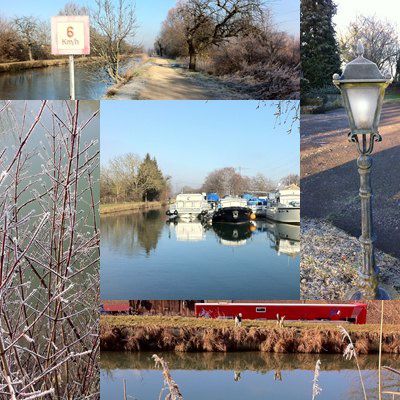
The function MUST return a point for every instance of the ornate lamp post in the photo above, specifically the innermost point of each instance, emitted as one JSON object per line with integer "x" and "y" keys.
{"x": 363, "y": 86}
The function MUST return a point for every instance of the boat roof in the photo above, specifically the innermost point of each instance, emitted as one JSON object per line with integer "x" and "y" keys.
{"x": 285, "y": 304}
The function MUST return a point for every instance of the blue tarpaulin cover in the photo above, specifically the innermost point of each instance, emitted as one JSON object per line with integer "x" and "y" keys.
{"x": 212, "y": 197}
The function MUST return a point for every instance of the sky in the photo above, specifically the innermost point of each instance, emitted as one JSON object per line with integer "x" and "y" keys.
{"x": 150, "y": 14}
{"x": 347, "y": 11}
{"x": 191, "y": 138}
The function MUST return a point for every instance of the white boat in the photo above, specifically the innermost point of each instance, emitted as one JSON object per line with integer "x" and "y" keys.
{"x": 190, "y": 206}
{"x": 231, "y": 201}
{"x": 286, "y": 207}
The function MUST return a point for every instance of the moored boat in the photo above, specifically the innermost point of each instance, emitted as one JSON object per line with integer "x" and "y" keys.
{"x": 286, "y": 207}
{"x": 233, "y": 210}
{"x": 189, "y": 206}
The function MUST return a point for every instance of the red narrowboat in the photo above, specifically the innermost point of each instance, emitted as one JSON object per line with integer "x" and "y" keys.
{"x": 355, "y": 313}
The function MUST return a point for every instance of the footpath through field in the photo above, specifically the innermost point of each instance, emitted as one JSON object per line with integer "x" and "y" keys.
{"x": 330, "y": 180}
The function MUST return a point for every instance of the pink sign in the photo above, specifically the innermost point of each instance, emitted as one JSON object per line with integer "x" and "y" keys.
{"x": 70, "y": 35}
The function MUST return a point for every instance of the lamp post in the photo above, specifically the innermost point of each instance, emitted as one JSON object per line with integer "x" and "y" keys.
{"x": 363, "y": 86}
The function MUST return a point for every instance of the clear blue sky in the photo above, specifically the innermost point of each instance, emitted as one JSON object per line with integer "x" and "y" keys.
{"x": 191, "y": 138}
{"x": 150, "y": 13}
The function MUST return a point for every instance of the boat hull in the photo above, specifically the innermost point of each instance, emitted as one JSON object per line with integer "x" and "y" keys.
{"x": 289, "y": 215}
{"x": 232, "y": 215}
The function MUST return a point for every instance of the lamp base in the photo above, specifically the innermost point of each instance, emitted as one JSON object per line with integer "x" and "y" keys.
{"x": 369, "y": 288}
{"x": 378, "y": 294}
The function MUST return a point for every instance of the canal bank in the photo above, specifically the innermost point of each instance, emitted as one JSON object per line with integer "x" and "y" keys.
{"x": 131, "y": 206}
{"x": 149, "y": 333}
{"x": 23, "y": 65}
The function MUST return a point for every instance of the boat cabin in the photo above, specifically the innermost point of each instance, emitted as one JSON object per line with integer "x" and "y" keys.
{"x": 354, "y": 312}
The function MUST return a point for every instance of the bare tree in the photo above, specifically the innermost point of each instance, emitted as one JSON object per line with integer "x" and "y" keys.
{"x": 291, "y": 179}
{"x": 49, "y": 251}
{"x": 380, "y": 40}
{"x": 226, "y": 181}
{"x": 72, "y": 8}
{"x": 211, "y": 22}
{"x": 115, "y": 25}
{"x": 10, "y": 44}
{"x": 172, "y": 40}
{"x": 262, "y": 183}
{"x": 27, "y": 28}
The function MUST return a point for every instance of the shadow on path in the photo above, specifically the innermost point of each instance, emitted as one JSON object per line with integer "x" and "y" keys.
{"x": 333, "y": 195}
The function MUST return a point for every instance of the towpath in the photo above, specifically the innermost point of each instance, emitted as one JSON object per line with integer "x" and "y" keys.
{"x": 330, "y": 180}
{"x": 161, "y": 79}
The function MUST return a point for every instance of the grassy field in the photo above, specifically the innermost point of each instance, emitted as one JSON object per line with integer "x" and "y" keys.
{"x": 188, "y": 322}
{"x": 130, "y": 206}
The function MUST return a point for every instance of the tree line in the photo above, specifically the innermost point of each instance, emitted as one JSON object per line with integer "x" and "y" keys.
{"x": 323, "y": 50}
{"x": 112, "y": 29}
{"x": 233, "y": 37}
{"x": 228, "y": 181}
{"x": 131, "y": 178}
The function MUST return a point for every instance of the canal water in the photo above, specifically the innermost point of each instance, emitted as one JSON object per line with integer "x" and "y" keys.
{"x": 238, "y": 376}
{"x": 145, "y": 257}
{"x": 52, "y": 83}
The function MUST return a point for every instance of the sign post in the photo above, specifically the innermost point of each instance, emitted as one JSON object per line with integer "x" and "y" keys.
{"x": 70, "y": 36}
{"x": 71, "y": 78}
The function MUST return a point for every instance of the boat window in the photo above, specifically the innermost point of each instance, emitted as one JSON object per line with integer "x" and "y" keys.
{"x": 261, "y": 309}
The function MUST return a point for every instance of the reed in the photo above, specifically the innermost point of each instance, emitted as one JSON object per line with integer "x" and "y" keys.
{"x": 316, "y": 390}
{"x": 350, "y": 353}
{"x": 169, "y": 383}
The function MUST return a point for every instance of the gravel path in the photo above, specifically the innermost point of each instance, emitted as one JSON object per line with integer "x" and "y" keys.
{"x": 162, "y": 80}
{"x": 329, "y": 262}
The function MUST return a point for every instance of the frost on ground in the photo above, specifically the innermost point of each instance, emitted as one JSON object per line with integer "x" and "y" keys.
{"x": 49, "y": 250}
{"x": 330, "y": 259}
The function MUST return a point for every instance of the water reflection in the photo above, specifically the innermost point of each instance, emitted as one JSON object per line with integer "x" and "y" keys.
{"x": 91, "y": 82}
{"x": 145, "y": 256}
{"x": 133, "y": 232}
{"x": 233, "y": 234}
{"x": 186, "y": 231}
{"x": 250, "y": 375}
{"x": 284, "y": 238}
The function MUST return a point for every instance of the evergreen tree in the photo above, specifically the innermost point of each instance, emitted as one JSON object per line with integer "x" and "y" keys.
{"x": 151, "y": 179}
{"x": 319, "y": 49}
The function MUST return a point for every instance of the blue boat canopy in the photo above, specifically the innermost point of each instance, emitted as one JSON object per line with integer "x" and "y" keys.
{"x": 212, "y": 197}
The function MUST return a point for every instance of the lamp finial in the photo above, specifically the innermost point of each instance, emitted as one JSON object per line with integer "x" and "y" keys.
{"x": 360, "y": 48}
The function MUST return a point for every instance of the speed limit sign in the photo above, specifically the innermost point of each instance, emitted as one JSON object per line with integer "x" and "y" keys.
{"x": 70, "y": 35}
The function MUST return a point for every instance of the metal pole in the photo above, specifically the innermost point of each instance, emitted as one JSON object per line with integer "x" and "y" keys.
{"x": 367, "y": 238}
{"x": 71, "y": 78}
{"x": 368, "y": 271}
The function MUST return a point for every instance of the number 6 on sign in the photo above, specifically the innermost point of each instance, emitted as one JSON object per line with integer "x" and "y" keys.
{"x": 70, "y": 36}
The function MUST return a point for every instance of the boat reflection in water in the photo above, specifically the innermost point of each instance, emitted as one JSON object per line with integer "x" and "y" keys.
{"x": 284, "y": 238}
{"x": 186, "y": 231}
{"x": 233, "y": 234}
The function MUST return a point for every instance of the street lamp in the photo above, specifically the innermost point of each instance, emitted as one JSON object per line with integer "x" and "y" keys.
{"x": 363, "y": 86}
